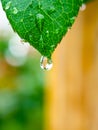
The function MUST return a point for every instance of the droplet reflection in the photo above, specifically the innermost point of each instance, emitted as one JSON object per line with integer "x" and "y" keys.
{"x": 45, "y": 63}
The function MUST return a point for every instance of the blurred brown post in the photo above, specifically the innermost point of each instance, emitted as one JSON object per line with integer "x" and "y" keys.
{"x": 72, "y": 84}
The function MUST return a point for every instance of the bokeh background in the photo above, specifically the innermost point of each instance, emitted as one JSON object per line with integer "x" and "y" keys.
{"x": 65, "y": 98}
{"x": 21, "y": 82}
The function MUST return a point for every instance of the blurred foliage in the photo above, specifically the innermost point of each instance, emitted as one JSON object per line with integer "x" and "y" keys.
{"x": 21, "y": 93}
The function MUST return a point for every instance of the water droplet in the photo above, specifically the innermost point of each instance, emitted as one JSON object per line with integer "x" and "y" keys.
{"x": 83, "y": 7}
{"x": 45, "y": 63}
{"x": 57, "y": 31}
{"x": 8, "y": 5}
{"x": 41, "y": 39}
{"x": 23, "y": 41}
{"x": 30, "y": 37}
{"x": 69, "y": 28}
{"x": 39, "y": 5}
{"x": 21, "y": 20}
{"x": 51, "y": 10}
{"x": 52, "y": 46}
{"x": 47, "y": 33}
{"x": 15, "y": 11}
{"x": 40, "y": 21}
{"x": 72, "y": 19}
{"x": 31, "y": 5}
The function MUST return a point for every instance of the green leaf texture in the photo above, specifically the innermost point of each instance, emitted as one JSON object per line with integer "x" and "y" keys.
{"x": 42, "y": 23}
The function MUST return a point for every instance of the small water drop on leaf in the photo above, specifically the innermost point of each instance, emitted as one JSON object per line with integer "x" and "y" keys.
{"x": 47, "y": 33}
{"x": 45, "y": 63}
{"x": 23, "y": 41}
{"x": 41, "y": 39}
{"x": 83, "y": 7}
{"x": 8, "y": 5}
{"x": 40, "y": 21}
{"x": 72, "y": 19}
{"x": 51, "y": 10}
{"x": 69, "y": 28}
{"x": 57, "y": 31}
{"x": 15, "y": 11}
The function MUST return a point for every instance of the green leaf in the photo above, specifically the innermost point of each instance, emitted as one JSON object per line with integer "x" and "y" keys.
{"x": 42, "y": 23}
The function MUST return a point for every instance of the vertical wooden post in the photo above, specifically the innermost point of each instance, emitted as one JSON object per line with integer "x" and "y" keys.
{"x": 72, "y": 84}
{"x": 90, "y": 66}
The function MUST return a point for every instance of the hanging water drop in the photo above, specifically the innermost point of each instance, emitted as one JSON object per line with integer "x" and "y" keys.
{"x": 83, "y": 7}
{"x": 8, "y": 5}
{"x": 45, "y": 63}
{"x": 40, "y": 21}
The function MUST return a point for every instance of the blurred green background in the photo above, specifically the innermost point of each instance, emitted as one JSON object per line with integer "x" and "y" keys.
{"x": 21, "y": 82}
